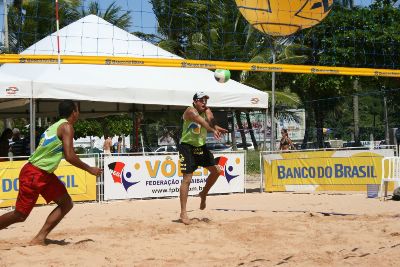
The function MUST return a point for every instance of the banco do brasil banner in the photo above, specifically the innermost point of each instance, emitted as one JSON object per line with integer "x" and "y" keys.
{"x": 346, "y": 170}
{"x": 81, "y": 185}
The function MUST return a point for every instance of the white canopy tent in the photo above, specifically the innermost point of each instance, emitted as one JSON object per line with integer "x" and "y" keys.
{"x": 107, "y": 89}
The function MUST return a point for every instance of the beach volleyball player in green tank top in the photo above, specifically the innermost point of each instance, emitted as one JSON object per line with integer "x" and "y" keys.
{"x": 37, "y": 176}
{"x": 197, "y": 121}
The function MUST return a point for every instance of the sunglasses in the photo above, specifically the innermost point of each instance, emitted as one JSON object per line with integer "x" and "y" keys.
{"x": 202, "y": 100}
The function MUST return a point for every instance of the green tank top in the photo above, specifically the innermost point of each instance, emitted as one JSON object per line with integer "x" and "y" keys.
{"x": 49, "y": 152}
{"x": 193, "y": 133}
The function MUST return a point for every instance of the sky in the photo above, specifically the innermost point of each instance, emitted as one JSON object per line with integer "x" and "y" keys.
{"x": 143, "y": 20}
{"x": 141, "y": 10}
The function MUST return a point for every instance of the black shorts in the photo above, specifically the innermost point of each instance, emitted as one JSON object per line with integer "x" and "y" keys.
{"x": 191, "y": 157}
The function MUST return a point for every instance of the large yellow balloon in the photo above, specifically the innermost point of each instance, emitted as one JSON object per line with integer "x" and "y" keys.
{"x": 284, "y": 17}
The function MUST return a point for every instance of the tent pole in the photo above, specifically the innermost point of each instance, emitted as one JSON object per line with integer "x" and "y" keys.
{"x": 233, "y": 134}
{"x": 5, "y": 23}
{"x": 32, "y": 123}
{"x": 265, "y": 128}
{"x": 272, "y": 148}
{"x": 58, "y": 36}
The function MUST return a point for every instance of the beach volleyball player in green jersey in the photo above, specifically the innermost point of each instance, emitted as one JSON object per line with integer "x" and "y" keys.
{"x": 37, "y": 177}
{"x": 197, "y": 121}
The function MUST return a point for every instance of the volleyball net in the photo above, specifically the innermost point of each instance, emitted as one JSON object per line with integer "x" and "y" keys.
{"x": 315, "y": 36}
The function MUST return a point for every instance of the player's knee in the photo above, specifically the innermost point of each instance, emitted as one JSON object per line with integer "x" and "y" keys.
{"x": 186, "y": 180}
{"x": 214, "y": 170}
{"x": 66, "y": 203}
{"x": 19, "y": 217}
{"x": 69, "y": 204}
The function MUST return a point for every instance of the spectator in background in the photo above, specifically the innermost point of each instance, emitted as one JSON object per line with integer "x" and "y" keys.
{"x": 119, "y": 148}
{"x": 285, "y": 143}
{"x": 4, "y": 144}
{"x": 166, "y": 139}
{"x": 27, "y": 145}
{"x": 18, "y": 147}
{"x": 397, "y": 135}
{"x": 107, "y": 145}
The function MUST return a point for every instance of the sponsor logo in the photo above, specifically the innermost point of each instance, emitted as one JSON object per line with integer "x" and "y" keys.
{"x": 226, "y": 170}
{"x": 336, "y": 171}
{"x": 119, "y": 175}
{"x": 38, "y": 60}
{"x": 181, "y": 158}
{"x": 45, "y": 139}
{"x": 194, "y": 127}
{"x": 254, "y": 100}
{"x": 123, "y": 62}
{"x": 316, "y": 70}
{"x": 259, "y": 68}
{"x": 192, "y": 65}
{"x": 386, "y": 73}
{"x": 12, "y": 90}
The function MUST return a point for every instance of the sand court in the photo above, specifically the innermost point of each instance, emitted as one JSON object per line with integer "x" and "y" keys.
{"x": 254, "y": 229}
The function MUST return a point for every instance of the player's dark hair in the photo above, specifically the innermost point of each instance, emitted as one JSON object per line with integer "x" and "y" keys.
{"x": 66, "y": 107}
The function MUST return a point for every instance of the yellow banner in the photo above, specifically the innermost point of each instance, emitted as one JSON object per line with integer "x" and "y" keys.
{"x": 323, "y": 170}
{"x": 80, "y": 184}
{"x": 203, "y": 64}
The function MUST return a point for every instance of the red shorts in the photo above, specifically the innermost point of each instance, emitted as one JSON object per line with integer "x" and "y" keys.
{"x": 34, "y": 181}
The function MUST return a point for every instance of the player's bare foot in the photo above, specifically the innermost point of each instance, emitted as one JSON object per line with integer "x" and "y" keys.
{"x": 203, "y": 200}
{"x": 185, "y": 219}
{"x": 38, "y": 242}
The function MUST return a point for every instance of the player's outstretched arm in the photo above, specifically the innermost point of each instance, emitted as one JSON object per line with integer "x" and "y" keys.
{"x": 193, "y": 115}
{"x": 66, "y": 133}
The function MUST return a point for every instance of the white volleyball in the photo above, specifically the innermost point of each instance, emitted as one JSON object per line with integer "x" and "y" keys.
{"x": 222, "y": 76}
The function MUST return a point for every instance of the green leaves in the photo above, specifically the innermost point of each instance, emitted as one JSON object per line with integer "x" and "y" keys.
{"x": 117, "y": 125}
{"x": 111, "y": 125}
{"x": 171, "y": 46}
{"x": 90, "y": 127}
{"x": 113, "y": 14}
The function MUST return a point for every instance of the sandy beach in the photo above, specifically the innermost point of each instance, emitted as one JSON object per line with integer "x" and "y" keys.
{"x": 253, "y": 229}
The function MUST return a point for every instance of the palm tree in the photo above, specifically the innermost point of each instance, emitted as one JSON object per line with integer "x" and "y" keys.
{"x": 346, "y": 3}
{"x": 113, "y": 14}
{"x": 17, "y": 3}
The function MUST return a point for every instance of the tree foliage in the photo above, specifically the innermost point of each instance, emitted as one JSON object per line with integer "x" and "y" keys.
{"x": 32, "y": 20}
{"x": 113, "y": 14}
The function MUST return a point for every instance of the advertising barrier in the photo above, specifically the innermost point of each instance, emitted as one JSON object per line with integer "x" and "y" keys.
{"x": 160, "y": 176}
{"x": 341, "y": 170}
{"x": 80, "y": 184}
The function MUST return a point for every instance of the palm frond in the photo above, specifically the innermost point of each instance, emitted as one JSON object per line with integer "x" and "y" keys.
{"x": 293, "y": 60}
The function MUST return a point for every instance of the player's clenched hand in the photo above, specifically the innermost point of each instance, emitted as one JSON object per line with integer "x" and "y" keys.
{"x": 222, "y": 130}
{"x": 95, "y": 171}
{"x": 217, "y": 134}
